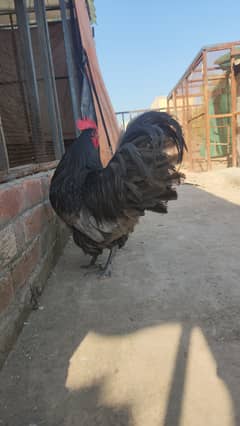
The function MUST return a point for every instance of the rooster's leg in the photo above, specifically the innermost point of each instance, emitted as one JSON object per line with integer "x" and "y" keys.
{"x": 106, "y": 270}
{"x": 92, "y": 263}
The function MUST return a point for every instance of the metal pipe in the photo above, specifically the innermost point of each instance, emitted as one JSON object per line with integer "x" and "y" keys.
{"x": 49, "y": 78}
{"x": 140, "y": 110}
{"x": 32, "y": 98}
{"x": 70, "y": 63}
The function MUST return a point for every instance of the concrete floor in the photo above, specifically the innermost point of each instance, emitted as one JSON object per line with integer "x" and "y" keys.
{"x": 156, "y": 345}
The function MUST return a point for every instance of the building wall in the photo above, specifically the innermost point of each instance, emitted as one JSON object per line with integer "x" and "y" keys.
{"x": 31, "y": 239}
{"x": 159, "y": 102}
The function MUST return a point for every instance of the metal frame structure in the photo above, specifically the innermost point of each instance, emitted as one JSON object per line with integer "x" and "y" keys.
{"x": 31, "y": 79}
{"x": 124, "y": 117}
{"x": 206, "y": 101}
{"x": 19, "y": 18}
{"x": 49, "y": 78}
{"x": 70, "y": 62}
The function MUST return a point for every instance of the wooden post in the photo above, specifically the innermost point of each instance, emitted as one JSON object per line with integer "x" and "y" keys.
{"x": 184, "y": 118}
{"x": 168, "y": 109}
{"x": 188, "y": 131}
{"x": 174, "y": 103}
{"x": 234, "y": 118}
{"x": 206, "y": 102}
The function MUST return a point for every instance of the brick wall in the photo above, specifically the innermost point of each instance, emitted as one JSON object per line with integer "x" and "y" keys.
{"x": 31, "y": 238}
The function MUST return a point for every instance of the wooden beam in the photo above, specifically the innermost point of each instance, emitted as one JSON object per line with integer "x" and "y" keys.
{"x": 222, "y": 46}
{"x": 206, "y": 101}
{"x": 194, "y": 95}
{"x": 188, "y": 127}
{"x": 220, "y": 115}
{"x": 234, "y": 118}
{"x": 216, "y": 77}
{"x": 196, "y": 116}
{"x": 193, "y": 66}
{"x": 174, "y": 103}
{"x": 30, "y": 169}
{"x": 195, "y": 80}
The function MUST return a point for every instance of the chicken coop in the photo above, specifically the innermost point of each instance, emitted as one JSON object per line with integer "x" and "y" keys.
{"x": 206, "y": 101}
{"x": 49, "y": 77}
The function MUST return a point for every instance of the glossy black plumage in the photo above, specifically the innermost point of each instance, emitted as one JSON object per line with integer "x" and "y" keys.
{"x": 102, "y": 205}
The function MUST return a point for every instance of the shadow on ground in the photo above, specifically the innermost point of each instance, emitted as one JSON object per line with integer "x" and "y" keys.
{"x": 97, "y": 354}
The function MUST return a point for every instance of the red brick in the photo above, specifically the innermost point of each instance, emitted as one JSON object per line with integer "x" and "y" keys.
{"x": 19, "y": 234}
{"x": 32, "y": 191}
{"x": 6, "y": 291}
{"x": 33, "y": 222}
{"x": 12, "y": 202}
{"x": 8, "y": 245}
{"x": 25, "y": 265}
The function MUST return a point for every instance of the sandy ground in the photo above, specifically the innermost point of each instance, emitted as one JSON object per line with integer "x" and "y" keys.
{"x": 156, "y": 345}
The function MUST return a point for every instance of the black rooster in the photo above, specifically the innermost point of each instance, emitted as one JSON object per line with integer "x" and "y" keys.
{"x": 102, "y": 205}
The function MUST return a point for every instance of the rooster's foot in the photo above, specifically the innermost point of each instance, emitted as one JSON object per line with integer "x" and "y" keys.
{"x": 91, "y": 264}
{"x": 106, "y": 270}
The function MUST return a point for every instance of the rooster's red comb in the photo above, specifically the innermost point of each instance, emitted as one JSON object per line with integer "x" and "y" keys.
{"x": 86, "y": 123}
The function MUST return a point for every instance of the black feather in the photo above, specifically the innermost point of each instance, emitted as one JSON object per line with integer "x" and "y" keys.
{"x": 102, "y": 205}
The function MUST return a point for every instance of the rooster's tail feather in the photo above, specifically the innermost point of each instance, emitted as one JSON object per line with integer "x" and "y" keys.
{"x": 148, "y": 153}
